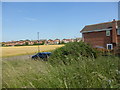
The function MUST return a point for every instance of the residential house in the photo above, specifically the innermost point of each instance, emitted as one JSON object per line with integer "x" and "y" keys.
{"x": 30, "y": 42}
{"x": 78, "y": 39}
{"x": 56, "y": 41}
{"x": 20, "y": 42}
{"x": 105, "y": 35}
{"x": 9, "y": 43}
{"x": 37, "y": 42}
{"x": 66, "y": 40}
{"x": 50, "y": 41}
{"x": 44, "y": 41}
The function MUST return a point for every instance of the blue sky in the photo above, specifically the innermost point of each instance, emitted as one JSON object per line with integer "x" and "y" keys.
{"x": 22, "y": 20}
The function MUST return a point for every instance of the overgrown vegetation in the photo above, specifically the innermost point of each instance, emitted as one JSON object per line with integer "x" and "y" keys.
{"x": 116, "y": 51}
{"x": 72, "y": 50}
{"x": 72, "y": 66}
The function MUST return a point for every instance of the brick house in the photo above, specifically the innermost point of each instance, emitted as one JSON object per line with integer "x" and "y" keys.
{"x": 30, "y": 42}
{"x": 50, "y": 41}
{"x": 105, "y": 35}
{"x": 44, "y": 41}
{"x": 20, "y": 43}
{"x": 12, "y": 43}
{"x": 66, "y": 40}
{"x": 9, "y": 44}
{"x": 36, "y": 42}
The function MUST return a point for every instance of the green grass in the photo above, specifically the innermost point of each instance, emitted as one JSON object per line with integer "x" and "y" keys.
{"x": 85, "y": 73}
{"x": 78, "y": 71}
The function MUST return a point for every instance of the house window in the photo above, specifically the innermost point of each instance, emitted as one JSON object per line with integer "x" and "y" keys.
{"x": 107, "y": 32}
{"x": 118, "y": 31}
{"x": 109, "y": 46}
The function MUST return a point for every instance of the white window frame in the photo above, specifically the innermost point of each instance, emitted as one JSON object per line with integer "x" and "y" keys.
{"x": 107, "y": 32}
{"x": 118, "y": 31}
{"x": 111, "y": 46}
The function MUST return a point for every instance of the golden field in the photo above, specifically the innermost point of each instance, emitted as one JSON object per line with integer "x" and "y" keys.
{"x": 24, "y": 50}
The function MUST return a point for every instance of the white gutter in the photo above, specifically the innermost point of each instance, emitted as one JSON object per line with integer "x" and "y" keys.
{"x": 96, "y": 30}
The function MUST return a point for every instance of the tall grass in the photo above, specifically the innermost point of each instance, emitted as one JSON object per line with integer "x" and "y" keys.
{"x": 85, "y": 73}
{"x": 79, "y": 72}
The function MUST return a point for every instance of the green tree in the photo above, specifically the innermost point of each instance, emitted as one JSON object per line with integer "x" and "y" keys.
{"x": 27, "y": 40}
{"x": 42, "y": 43}
{"x": 26, "y": 43}
{"x": 3, "y": 44}
{"x": 62, "y": 42}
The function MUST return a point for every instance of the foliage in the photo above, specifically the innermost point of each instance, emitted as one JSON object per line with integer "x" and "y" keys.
{"x": 83, "y": 73}
{"x": 26, "y": 43}
{"x": 27, "y": 40}
{"x": 3, "y": 44}
{"x": 116, "y": 50}
{"x": 72, "y": 49}
{"x": 62, "y": 42}
{"x": 72, "y": 66}
{"x": 39, "y": 43}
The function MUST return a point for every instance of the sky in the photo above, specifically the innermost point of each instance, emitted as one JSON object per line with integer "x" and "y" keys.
{"x": 22, "y": 20}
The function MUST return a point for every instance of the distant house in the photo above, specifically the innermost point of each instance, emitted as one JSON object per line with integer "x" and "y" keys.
{"x": 36, "y": 42}
{"x": 50, "y": 41}
{"x": 30, "y": 42}
{"x": 44, "y": 41}
{"x": 105, "y": 34}
{"x": 20, "y": 43}
{"x": 77, "y": 39}
{"x": 67, "y": 40}
{"x": 9, "y": 44}
{"x": 56, "y": 41}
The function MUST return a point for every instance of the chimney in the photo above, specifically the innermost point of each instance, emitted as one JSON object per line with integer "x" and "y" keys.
{"x": 114, "y": 32}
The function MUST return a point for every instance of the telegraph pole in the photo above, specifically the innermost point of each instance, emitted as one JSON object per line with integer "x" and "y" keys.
{"x": 38, "y": 43}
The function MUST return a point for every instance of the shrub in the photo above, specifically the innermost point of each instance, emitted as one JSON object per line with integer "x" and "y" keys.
{"x": 116, "y": 50}
{"x": 72, "y": 50}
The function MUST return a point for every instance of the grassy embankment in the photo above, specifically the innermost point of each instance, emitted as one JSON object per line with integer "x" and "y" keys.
{"x": 25, "y": 50}
{"x": 68, "y": 67}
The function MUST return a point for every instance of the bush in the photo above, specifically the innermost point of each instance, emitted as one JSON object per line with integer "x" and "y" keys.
{"x": 116, "y": 50}
{"x": 72, "y": 50}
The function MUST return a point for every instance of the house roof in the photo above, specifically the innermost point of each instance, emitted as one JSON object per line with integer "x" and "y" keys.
{"x": 106, "y": 25}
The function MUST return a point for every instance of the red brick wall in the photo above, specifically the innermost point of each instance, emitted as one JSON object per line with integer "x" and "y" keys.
{"x": 118, "y": 37}
{"x": 97, "y": 38}
{"x": 114, "y": 32}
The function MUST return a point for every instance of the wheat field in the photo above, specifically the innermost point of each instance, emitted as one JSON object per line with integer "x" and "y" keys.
{"x": 23, "y": 50}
